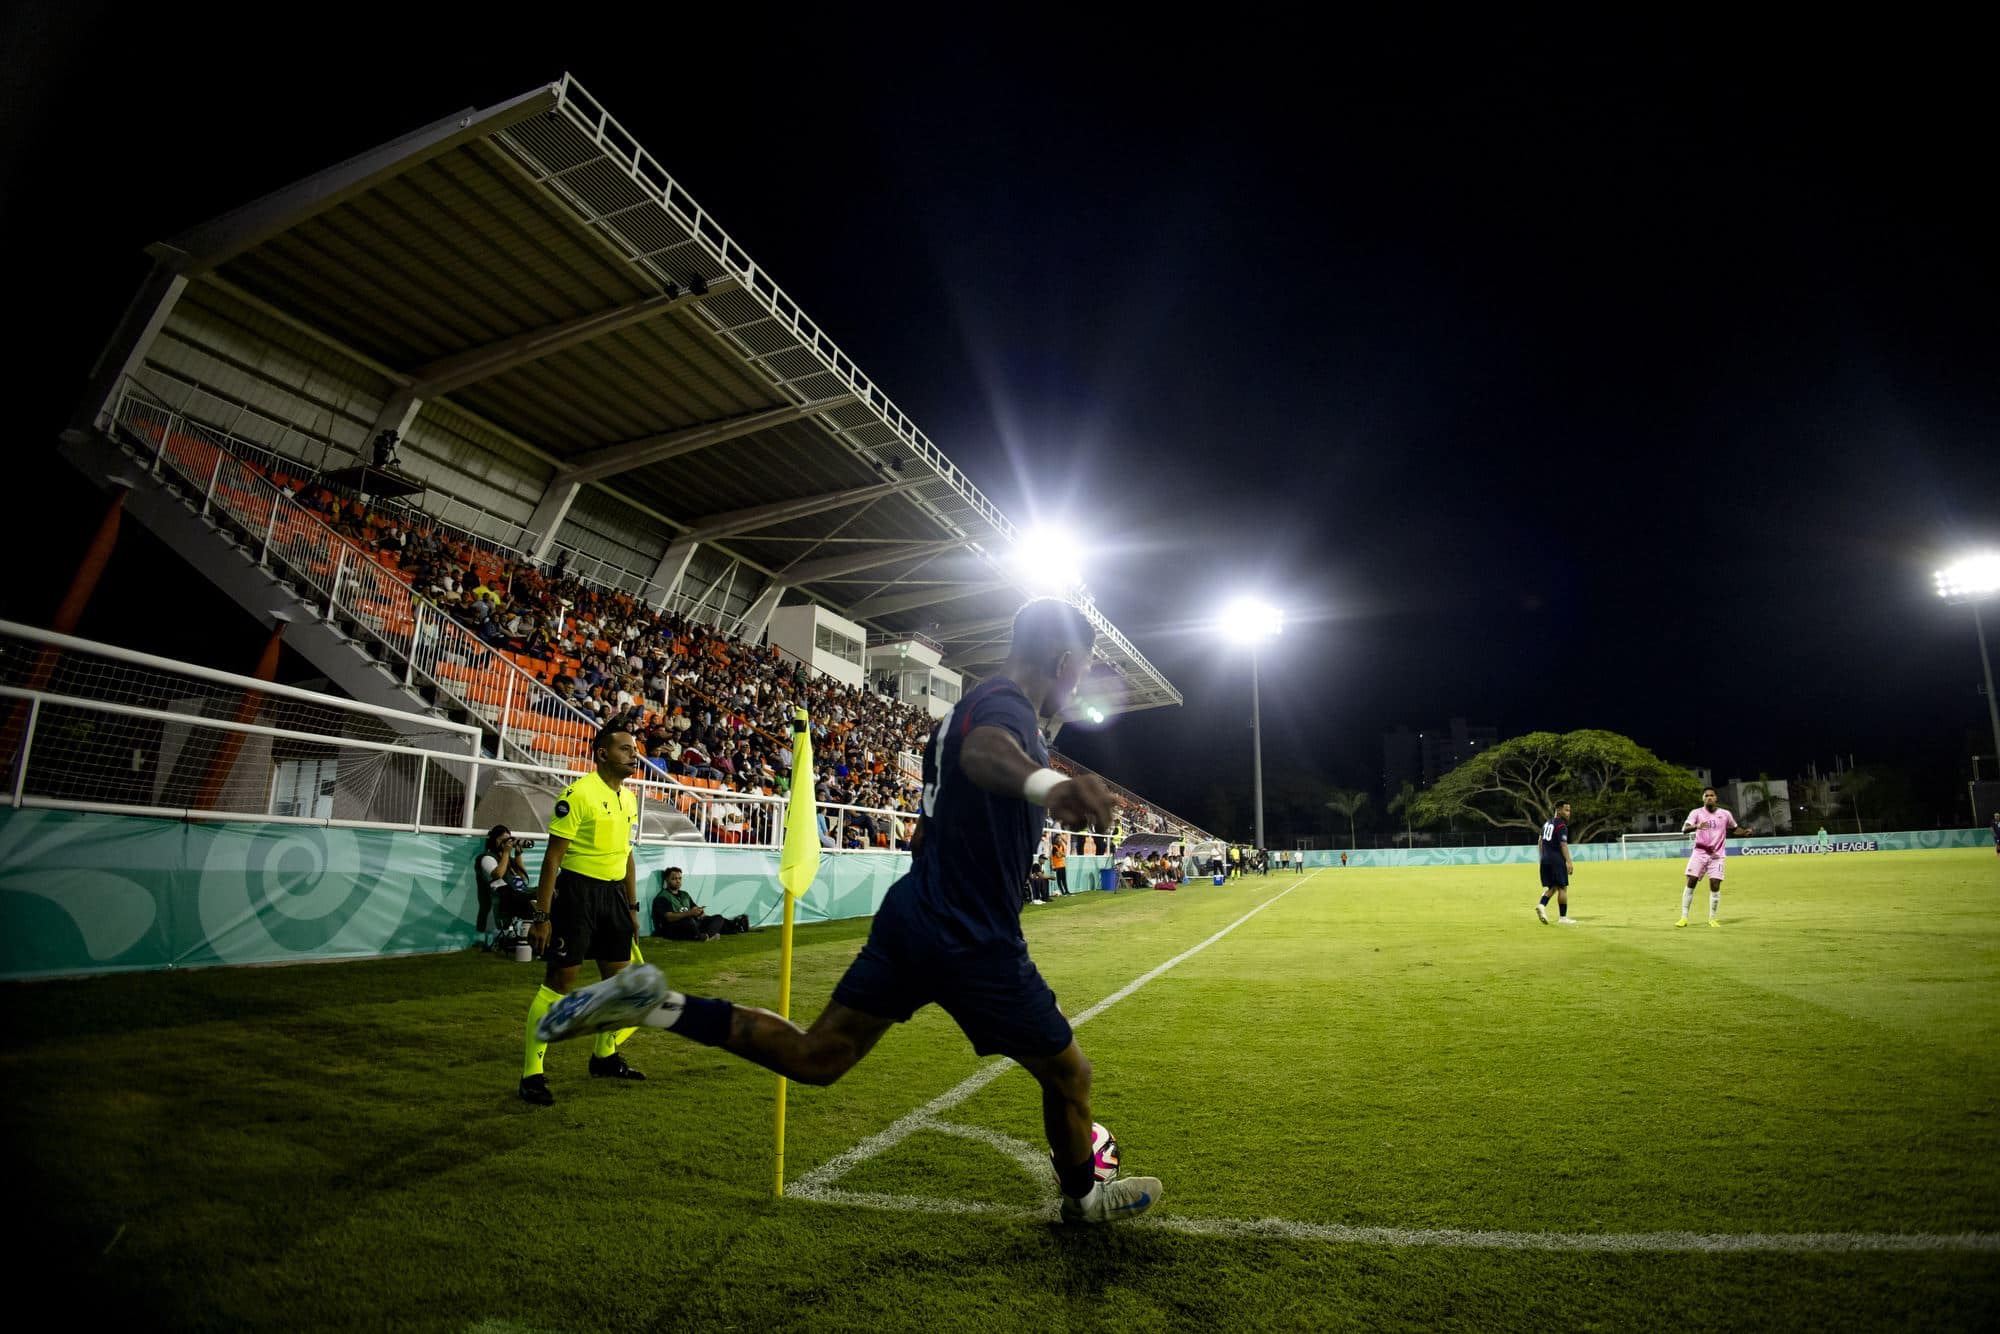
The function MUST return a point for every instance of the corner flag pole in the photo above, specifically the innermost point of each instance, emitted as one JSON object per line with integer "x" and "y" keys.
{"x": 798, "y": 864}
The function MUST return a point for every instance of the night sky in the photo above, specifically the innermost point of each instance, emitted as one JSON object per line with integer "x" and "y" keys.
{"x": 1554, "y": 379}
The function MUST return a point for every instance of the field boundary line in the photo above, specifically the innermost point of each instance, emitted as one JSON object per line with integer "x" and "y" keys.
{"x": 838, "y": 1166}
{"x": 1619, "y": 1243}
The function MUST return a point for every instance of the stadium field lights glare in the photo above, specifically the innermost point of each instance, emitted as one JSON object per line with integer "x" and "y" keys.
{"x": 1972, "y": 579}
{"x": 1248, "y": 620}
{"x": 1974, "y": 576}
{"x": 1253, "y": 622}
{"x": 1047, "y": 561}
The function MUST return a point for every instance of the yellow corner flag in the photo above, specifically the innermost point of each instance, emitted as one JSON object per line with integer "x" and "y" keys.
{"x": 799, "y": 862}
{"x": 798, "y": 865}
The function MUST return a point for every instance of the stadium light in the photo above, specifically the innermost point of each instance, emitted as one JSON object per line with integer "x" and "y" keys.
{"x": 1047, "y": 560}
{"x": 1972, "y": 579}
{"x": 1976, "y": 576}
{"x": 1252, "y": 621}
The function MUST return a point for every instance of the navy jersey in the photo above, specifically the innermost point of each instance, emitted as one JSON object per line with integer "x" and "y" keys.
{"x": 977, "y": 845}
{"x": 1555, "y": 831}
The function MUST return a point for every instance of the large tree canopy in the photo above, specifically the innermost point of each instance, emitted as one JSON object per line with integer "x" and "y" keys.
{"x": 1608, "y": 779}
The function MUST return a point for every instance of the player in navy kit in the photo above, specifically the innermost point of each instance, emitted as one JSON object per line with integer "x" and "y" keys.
{"x": 949, "y": 931}
{"x": 1557, "y": 867}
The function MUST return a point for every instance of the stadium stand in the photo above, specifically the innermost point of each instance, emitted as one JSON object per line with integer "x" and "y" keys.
{"x": 476, "y": 363}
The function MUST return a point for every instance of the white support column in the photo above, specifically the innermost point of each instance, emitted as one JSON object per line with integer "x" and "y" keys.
{"x": 398, "y": 412}
{"x": 758, "y": 619}
{"x": 126, "y": 352}
{"x": 673, "y": 564}
{"x": 550, "y": 511}
{"x": 506, "y": 714}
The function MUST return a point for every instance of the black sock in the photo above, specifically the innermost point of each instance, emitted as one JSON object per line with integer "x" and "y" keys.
{"x": 1545, "y": 899}
{"x": 705, "y": 1020}
{"x": 1077, "y": 1181}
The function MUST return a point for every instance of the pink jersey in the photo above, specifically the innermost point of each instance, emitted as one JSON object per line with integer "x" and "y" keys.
{"x": 1710, "y": 829}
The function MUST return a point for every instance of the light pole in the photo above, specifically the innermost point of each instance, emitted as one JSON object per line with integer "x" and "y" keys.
{"x": 1250, "y": 621}
{"x": 1973, "y": 579}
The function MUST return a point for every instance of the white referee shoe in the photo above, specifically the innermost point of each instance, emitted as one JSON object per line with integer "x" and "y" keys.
{"x": 1542, "y": 911}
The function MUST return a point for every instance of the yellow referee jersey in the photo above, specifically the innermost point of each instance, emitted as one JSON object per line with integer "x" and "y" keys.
{"x": 597, "y": 819}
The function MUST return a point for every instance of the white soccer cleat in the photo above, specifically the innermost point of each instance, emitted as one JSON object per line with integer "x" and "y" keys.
{"x": 617, "y": 1002}
{"x": 1567, "y": 921}
{"x": 1542, "y": 911}
{"x": 1113, "y": 1201}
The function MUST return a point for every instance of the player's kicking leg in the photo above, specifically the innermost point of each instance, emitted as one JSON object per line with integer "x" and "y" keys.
{"x": 819, "y": 1055}
{"x": 1066, "y": 1121}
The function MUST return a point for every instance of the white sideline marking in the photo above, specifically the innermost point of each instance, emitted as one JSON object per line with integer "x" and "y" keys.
{"x": 1786, "y": 1243}
{"x": 833, "y": 1169}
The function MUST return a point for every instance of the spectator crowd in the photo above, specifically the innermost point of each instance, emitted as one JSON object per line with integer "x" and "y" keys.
{"x": 702, "y": 705}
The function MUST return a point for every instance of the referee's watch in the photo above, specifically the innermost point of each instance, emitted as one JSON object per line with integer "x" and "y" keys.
{"x": 538, "y": 918}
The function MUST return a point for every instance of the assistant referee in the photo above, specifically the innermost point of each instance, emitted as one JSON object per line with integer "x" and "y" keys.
{"x": 587, "y": 902}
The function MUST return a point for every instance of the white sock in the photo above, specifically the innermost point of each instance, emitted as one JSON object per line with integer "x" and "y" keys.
{"x": 1687, "y": 900}
{"x": 667, "y": 1013}
{"x": 1714, "y": 902}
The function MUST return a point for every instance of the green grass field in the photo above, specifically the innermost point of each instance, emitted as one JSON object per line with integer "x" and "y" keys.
{"x": 340, "y": 1145}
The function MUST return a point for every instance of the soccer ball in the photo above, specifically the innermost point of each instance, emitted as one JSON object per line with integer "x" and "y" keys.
{"x": 1103, "y": 1153}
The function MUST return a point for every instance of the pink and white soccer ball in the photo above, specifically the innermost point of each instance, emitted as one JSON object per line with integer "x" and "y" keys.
{"x": 1103, "y": 1153}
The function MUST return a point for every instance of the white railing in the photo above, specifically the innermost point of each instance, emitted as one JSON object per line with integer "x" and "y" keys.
{"x": 346, "y": 581}
{"x": 390, "y": 784}
{"x": 834, "y": 822}
{"x": 584, "y": 567}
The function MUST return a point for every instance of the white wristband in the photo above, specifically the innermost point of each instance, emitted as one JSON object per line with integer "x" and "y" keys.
{"x": 1040, "y": 783}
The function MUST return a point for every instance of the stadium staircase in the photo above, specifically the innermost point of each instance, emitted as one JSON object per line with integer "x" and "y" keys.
{"x": 349, "y": 613}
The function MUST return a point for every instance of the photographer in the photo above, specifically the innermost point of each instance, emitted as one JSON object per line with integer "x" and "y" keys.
{"x": 502, "y": 878}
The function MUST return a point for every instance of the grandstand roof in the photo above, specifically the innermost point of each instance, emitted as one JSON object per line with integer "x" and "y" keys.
{"x": 532, "y": 264}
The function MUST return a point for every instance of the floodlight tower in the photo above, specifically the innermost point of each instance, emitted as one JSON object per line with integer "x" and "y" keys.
{"x": 1973, "y": 579}
{"x": 1251, "y": 621}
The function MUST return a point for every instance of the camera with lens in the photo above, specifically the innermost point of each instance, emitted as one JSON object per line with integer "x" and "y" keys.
{"x": 524, "y": 844}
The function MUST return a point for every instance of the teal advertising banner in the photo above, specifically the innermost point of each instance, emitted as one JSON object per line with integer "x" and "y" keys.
{"x": 1907, "y": 841}
{"x": 85, "y": 893}
{"x": 89, "y": 893}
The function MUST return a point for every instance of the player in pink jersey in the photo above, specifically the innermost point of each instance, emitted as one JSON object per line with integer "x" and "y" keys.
{"x": 1711, "y": 826}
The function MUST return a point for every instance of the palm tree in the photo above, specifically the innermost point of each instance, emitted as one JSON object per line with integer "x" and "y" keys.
{"x": 1404, "y": 801}
{"x": 1343, "y": 802}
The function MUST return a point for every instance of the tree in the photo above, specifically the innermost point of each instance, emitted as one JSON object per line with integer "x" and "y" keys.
{"x": 1346, "y": 803}
{"x": 1409, "y": 804}
{"x": 1608, "y": 779}
{"x": 1767, "y": 812}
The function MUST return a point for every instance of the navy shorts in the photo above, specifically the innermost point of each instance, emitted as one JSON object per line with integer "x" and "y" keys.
{"x": 994, "y": 993}
{"x": 1555, "y": 875}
